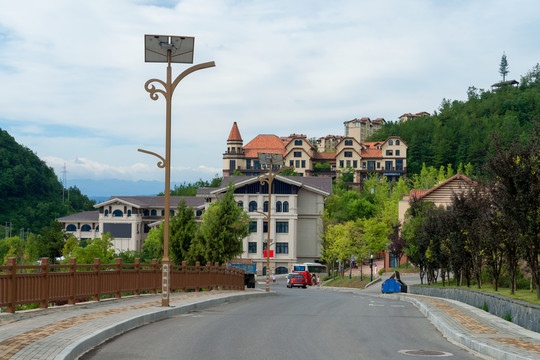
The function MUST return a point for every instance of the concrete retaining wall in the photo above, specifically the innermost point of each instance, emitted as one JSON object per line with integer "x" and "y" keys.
{"x": 523, "y": 314}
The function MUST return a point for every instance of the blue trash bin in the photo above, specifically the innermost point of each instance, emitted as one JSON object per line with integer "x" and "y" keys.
{"x": 390, "y": 286}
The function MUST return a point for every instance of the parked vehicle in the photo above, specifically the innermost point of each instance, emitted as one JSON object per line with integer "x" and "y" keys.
{"x": 297, "y": 280}
{"x": 308, "y": 270}
{"x": 250, "y": 273}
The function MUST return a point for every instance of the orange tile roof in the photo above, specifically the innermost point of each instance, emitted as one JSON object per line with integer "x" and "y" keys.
{"x": 235, "y": 133}
{"x": 264, "y": 143}
{"x": 371, "y": 153}
{"x": 324, "y": 155}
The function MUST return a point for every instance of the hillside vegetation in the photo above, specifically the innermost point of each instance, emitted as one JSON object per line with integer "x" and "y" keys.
{"x": 460, "y": 131}
{"x": 30, "y": 193}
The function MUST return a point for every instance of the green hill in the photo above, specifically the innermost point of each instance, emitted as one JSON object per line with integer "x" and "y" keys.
{"x": 30, "y": 193}
{"x": 460, "y": 131}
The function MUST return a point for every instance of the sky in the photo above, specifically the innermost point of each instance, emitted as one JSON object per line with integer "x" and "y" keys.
{"x": 72, "y": 73}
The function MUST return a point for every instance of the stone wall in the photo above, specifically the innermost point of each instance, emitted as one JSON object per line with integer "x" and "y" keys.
{"x": 522, "y": 313}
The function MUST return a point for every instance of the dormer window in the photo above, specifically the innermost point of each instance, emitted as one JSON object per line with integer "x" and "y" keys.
{"x": 298, "y": 142}
{"x": 348, "y": 142}
{"x": 390, "y": 142}
{"x": 397, "y": 142}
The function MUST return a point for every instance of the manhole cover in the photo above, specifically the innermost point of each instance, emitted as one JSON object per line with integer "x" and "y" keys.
{"x": 425, "y": 353}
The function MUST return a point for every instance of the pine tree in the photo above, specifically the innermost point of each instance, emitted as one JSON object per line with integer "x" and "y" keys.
{"x": 503, "y": 67}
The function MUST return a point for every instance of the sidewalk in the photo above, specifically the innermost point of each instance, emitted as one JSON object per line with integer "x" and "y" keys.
{"x": 471, "y": 327}
{"x": 68, "y": 331}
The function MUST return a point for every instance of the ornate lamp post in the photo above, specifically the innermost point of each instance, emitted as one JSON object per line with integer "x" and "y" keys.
{"x": 271, "y": 160}
{"x": 179, "y": 49}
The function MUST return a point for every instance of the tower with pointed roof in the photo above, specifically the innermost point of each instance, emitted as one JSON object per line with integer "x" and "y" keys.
{"x": 234, "y": 157}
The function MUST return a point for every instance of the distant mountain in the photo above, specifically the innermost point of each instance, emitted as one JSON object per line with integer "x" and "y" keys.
{"x": 100, "y": 189}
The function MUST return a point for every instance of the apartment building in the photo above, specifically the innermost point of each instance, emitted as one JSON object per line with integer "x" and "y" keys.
{"x": 385, "y": 158}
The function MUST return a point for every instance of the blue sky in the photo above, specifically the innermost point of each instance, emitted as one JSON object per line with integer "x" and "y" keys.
{"x": 73, "y": 72}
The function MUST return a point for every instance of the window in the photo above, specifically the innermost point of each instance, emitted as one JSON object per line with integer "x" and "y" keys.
{"x": 348, "y": 142}
{"x": 399, "y": 164}
{"x": 129, "y": 213}
{"x": 298, "y": 142}
{"x": 388, "y": 165}
{"x": 285, "y": 206}
{"x": 240, "y": 204}
{"x": 282, "y": 248}
{"x": 278, "y": 206}
{"x": 303, "y": 164}
{"x": 297, "y": 154}
{"x": 371, "y": 165}
{"x": 232, "y": 164}
{"x": 397, "y": 152}
{"x": 72, "y": 227}
{"x": 153, "y": 213}
{"x": 363, "y": 164}
{"x": 252, "y": 247}
{"x": 355, "y": 163}
{"x": 86, "y": 228}
{"x": 397, "y": 142}
{"x": 378, "y": 165}
{"x": 341, "y": 163}
{"x": 265, "y": 206}
{"x": 252, "y": 206}
{"x": 145, "y": 212}
{"x": 348, "y": 154}
{"x": 291, "y": 163}
{"x": 256, "y": 164}
{"x": 248, "y": 164}
{"x": 198, "y": 213}
{"x": 390, "y": 142}
{"x": 117, "y": 213}
{"x": 253, "y": 226}
{"x": 389, "y": 153}
{"x": 162, "y": 212}
{"x": 298, "y": 163}
{"x": 265, "y": 226}
{"x": 348, "y": 163}
{"x": 106, "y": 212}
{"x": 282, "y": 227}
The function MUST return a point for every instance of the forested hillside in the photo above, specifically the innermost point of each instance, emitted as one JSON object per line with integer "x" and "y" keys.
{"x": 460, "y": 131}
{"x": 30, "y": 193}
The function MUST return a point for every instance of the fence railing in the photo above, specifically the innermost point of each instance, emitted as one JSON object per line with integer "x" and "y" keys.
{"x": 71, "y": 283}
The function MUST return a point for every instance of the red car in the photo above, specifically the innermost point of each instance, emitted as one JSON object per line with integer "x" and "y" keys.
{"x": 296, "y": 280}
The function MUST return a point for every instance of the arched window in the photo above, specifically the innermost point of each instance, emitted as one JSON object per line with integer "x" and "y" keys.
{"x": 129, "y": 213}
{"x": 106, "y": 212}
{"x": 281, "y": 270}
{"x": 397, "y": 142}
{"x": 285, "y": 206}
{"x": 162, "y": 212}
{"x": 241, "y": 204}
{"x": 97, "y": 228}
{"x": 265, "y": 206}
{"x": 278, "y": 206}
{"x": 252, "y": 206}
{"x": 171, "y": 212}
{"x": 71, "y": 227}
{"x": 86, "y": 228}
{"x": 117, "y": 213}
{"x": 390, "y": 142}
{"x": 198, "y": 213}
{"x": 153, "y": 212}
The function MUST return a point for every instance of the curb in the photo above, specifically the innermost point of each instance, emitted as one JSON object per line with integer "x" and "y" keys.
{"x": 80, "y": 347}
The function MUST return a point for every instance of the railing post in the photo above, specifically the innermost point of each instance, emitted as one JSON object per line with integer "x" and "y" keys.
{"x": 216, "y": 269}
{"x": 43, "y": 304}
{"x": 119, "y": 274}
{"x": 72, "y": 269}
{"x": 209, "y": 270}
{"x": 184, "y": 271}
{"x": 12, "y": 287}
{"x": 155, "y": 277}
{"x": 225, "y": 277}
{"x": 97, "y": 279}
{"x": 198, "y": 275}
{"x": 138, "y": 274}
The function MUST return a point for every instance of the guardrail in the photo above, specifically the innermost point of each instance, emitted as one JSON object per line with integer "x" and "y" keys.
{"x": 71, "y": 283}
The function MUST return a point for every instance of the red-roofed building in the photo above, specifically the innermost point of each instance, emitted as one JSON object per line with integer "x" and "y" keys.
{"x": 408, "y": 116}
{"x": 383, "y": 158}
{"x": 361, "y": 129}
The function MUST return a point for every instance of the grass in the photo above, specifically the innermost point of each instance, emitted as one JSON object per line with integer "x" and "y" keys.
{"x": 344, "y": 281}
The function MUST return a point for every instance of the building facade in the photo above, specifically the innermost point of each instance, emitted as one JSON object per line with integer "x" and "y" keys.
{"x": 385, "y": 158}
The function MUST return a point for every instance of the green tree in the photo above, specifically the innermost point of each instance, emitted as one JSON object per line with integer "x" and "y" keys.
{"x": 183, "y": 229}
{"x": 153, "y": 244}
{"x": 224, "y": 227}
{"x": 52, "y": 241}
{"x": 503, "y": 67}
{"x": 101, "y": 247}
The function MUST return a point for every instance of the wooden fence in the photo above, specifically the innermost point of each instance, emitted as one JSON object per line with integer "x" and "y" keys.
{"x": 71, "y": 283}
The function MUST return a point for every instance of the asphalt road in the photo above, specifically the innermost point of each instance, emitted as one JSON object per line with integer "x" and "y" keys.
{"x": 295, "y": 324}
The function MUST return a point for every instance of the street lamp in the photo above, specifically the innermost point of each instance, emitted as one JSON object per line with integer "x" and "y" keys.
{"x": 270, "y": 160}
{"x": 168, "y": 49}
